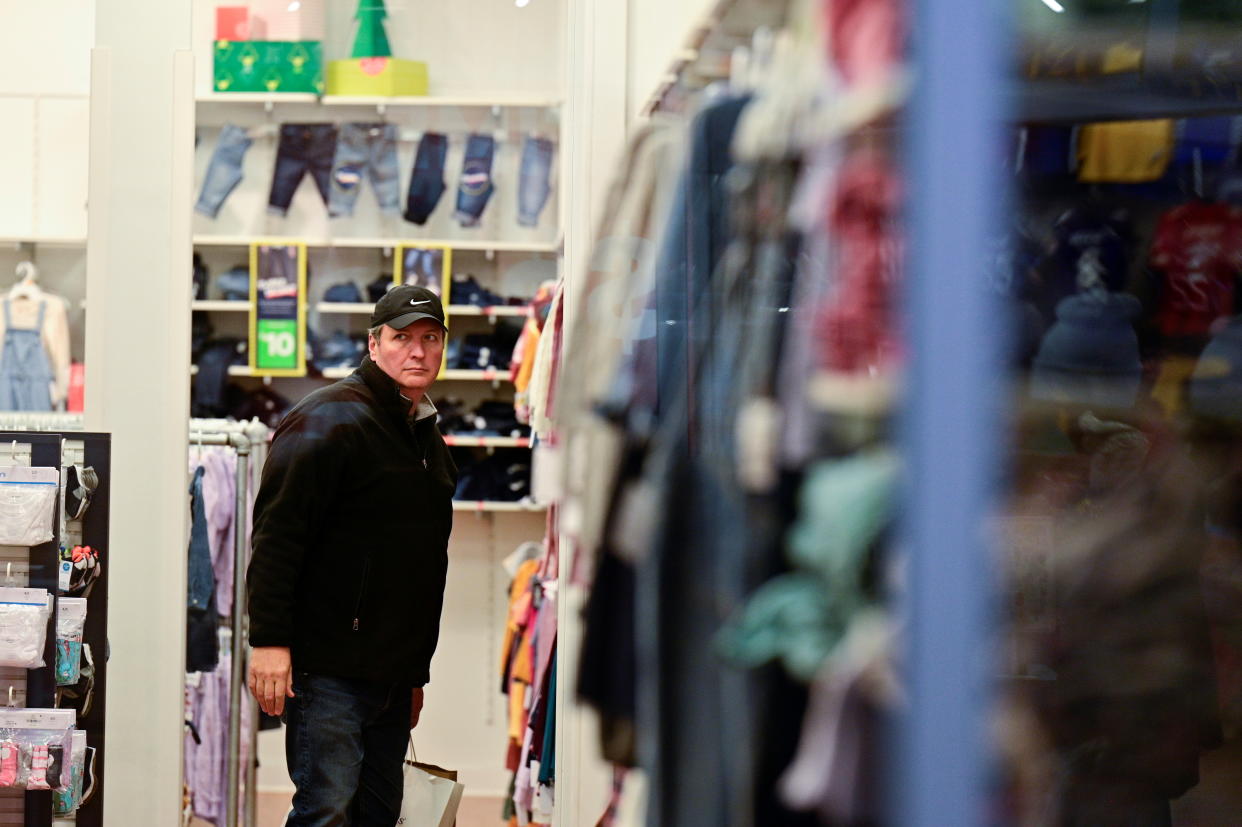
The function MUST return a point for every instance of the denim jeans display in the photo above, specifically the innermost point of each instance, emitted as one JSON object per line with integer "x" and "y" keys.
{"x": 304, "y": 147}
{"x": 534, "y": 180}
{"x": 344, "y": 742}
{"x": 427, "y": 179}
{"x": 365, "y": 150}
{"x": 224, "y": 172}
{"x": 475, "y": 188}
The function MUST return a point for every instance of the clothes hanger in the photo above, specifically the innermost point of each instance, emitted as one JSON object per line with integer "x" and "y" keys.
{"x": 26, "y": 287}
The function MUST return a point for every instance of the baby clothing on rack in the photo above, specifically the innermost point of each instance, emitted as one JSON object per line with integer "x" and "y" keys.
{"x": 34, "y": 362}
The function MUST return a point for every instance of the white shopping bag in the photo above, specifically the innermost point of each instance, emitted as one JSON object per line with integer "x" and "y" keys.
{"x": 432, "y": 795}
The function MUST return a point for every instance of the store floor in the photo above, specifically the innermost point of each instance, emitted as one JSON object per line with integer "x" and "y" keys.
{"x": 474, "y": 812}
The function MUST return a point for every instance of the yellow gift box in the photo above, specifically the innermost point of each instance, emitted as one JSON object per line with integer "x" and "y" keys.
{"x": 381, "y": 76}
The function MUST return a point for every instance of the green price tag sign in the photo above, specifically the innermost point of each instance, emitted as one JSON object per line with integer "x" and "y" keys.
{"x": 277, "y": 344}
{"x": 278, "y": 310}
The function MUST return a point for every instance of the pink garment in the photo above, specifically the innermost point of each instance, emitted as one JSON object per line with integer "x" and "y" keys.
{"x": 867, "y": 40}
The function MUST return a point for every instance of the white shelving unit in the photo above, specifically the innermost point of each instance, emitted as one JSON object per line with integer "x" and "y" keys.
{"x": 495, "y": 310}
{"x": 44, "y": 241}
{"x": 381, "y": 243}
{"x": 365, "y": 308}
{"x": 362, "y": 308}
{"x": 455, "y": 441}
{"x": 300, "y": 98}
{"x": 219, "y": 306}
{"x": 475, "y": 375}
{"x": 482, "y": 506}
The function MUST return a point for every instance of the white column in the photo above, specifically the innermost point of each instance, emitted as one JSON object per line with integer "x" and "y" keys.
{"x": 137, "y": 384}
{"x": 593, "y": 140}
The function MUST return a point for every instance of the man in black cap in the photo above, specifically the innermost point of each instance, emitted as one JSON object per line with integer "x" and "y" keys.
{"x": 351, "y": 529}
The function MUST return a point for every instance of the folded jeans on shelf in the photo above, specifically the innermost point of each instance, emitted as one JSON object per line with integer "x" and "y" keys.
{"x": 427, "y": 179}
{"x": 370, "y": 150}
{"x": 534, "y": 184}
{"x": 304, "y": 147}
{"x": 475, "y": 188}
{"x": 224, "y": 172}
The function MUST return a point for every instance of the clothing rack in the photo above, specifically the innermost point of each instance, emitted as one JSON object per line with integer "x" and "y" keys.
{"x": 42, "y": 421}
{"x": 245, "y": 438}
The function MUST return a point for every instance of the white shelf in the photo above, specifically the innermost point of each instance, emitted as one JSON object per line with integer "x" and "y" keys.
{"x": 456, "y": 441}
{"x": 476, "y": 375}
{"x": 337, "y": 373}
{"x": 344, "y": 307}
{"x": 45, "y": 241}
{"x": 259, "y": 97}
{"x": 229, "y": 306}
{"x": 484, "y": 505}
{"x": 205, "y": 240}
{"x": 503, "y": 101}
{"x": 234, "y": 370}
{"x": 495, "y": 310}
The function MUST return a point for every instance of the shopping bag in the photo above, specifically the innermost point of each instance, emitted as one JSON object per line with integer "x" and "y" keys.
{"x": 432, "y": 795}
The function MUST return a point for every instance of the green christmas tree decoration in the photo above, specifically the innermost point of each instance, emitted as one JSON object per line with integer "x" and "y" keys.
{"x": 371, "y": 40}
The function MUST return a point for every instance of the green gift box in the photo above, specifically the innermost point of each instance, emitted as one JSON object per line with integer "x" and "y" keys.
{"x": 269, "y": 66}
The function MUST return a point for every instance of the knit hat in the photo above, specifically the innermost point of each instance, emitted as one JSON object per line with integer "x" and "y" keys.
{"x": 1090, "y": 355}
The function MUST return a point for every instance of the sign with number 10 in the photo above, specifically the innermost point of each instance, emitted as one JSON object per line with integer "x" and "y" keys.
{"x": 278, "y": 309}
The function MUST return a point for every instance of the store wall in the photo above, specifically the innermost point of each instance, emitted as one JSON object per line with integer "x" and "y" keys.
{"x": 658, "y": 30}
{"x": 44, "y": 83}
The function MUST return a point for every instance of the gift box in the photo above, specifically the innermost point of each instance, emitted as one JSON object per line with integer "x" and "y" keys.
{"x": 290, "y": 19}
{"x": 378, "y": 76}
{"x": 236, "y": 23}
{"x": 269, "y": 66}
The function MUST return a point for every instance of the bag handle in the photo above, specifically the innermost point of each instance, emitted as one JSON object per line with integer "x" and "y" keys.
{"x": 411, "y": 753}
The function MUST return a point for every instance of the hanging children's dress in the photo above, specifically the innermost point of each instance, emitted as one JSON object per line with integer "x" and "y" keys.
{"x": 25, "y": 372}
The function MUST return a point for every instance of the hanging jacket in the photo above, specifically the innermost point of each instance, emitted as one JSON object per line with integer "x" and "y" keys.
{"x": 351, "y": 529}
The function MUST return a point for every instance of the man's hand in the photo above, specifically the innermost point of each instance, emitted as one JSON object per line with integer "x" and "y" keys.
{"x": 271, "y": 677}
{"x": 416, "y": 706}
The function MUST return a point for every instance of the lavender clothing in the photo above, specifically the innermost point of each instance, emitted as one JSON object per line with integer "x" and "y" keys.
{"x": 206, "y": 764}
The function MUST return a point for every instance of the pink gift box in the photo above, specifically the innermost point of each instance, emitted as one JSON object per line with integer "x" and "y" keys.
{"x": 236, "y": 23}
{"x": 290, "y": 19}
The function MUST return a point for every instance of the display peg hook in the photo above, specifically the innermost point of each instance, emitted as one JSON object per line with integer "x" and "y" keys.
{"x": 12, "y": 697}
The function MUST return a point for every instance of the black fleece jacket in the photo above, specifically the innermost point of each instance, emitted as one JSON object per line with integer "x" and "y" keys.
{"x": 351, "y": 529}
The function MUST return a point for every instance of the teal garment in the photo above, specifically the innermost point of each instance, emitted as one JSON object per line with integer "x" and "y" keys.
{"x": 547, "y": 766}
{"x": 799, "y": 618}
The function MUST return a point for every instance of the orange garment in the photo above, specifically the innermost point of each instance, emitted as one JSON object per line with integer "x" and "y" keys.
{"x": 522, "y": 381}
{"x": 519, "y": 602}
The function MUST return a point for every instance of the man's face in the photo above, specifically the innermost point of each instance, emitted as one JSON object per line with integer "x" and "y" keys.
{"x": 411, "y": 355}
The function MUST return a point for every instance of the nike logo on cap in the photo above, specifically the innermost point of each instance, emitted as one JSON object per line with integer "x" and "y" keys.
{"x": 424, "y": 301}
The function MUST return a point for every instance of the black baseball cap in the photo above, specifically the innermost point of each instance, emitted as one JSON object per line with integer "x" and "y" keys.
{"x": 403, "y": 306}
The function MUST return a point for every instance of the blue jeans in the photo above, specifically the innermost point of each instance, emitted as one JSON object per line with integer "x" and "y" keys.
{"x": 427, "y": 179}
{"x": 345, "y": 743}
{"x": 475, "y": 187}
{"x": 368, "y": 149}
{"x": 533, "y": 184}
{"x": 304, "y": 147}
{"x": 224, "y": 172}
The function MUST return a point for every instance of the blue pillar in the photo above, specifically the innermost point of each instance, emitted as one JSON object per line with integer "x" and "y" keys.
{"x": 951, "y": 422}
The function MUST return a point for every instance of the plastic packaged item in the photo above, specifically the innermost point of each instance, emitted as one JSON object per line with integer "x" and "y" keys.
{"x": 36, "y": 748}
{"x": 66, "y": 802}
{"x": 27, "y": 504}
{"x": 24, "y": 614}
{"x": 70, "y": 625}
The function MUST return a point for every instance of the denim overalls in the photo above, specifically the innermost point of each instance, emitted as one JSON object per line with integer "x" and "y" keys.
{"x": 25, "y": 373}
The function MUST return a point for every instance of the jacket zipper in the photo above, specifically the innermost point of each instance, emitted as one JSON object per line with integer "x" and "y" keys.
{"x": 362, "y": 590}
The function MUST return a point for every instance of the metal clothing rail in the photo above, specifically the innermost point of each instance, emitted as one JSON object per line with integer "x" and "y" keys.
{"x": 41, "y": 420}
{"x": 243, "y": 437}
